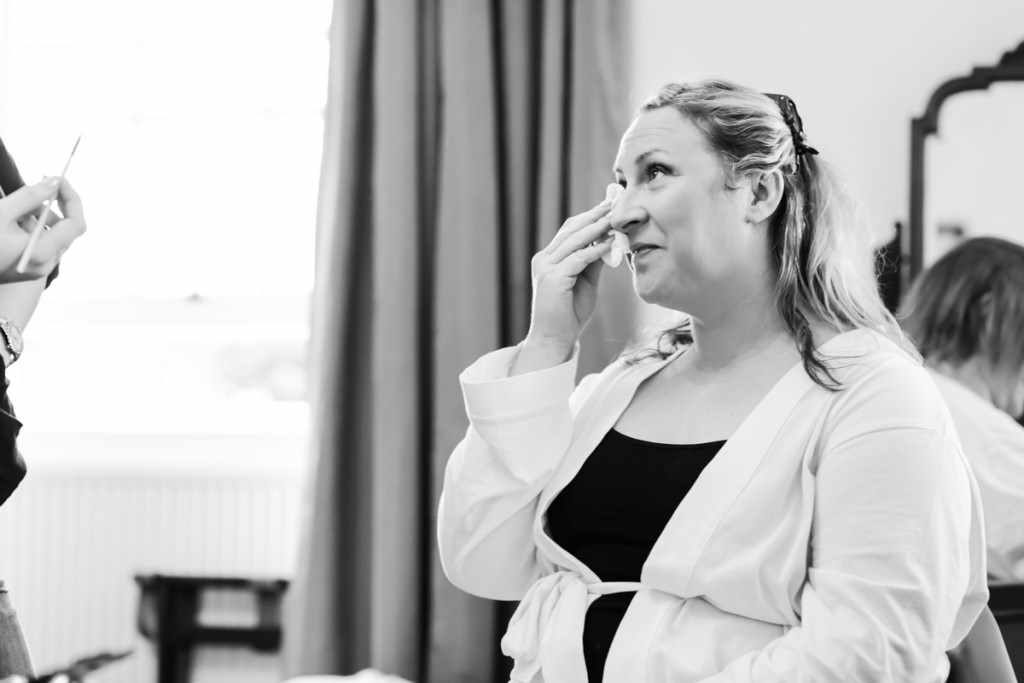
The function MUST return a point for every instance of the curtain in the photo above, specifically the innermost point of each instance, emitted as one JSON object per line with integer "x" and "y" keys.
{"x": 459, "y": 135}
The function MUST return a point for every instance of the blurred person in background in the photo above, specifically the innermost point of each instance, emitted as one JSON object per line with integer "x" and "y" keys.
{"x": 774, "y": 492}
{"x": 966, "y": 315}
{"x": 19, "y": 294}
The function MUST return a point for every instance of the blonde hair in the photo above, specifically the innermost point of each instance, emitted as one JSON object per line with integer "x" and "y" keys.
{"x": 819, "y": 247}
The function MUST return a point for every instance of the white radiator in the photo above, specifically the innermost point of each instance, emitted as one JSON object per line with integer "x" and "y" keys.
{"x": 96, "y": 509}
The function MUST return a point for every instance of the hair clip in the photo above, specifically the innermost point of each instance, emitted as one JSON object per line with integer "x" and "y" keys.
{"x": 794, "y": 122}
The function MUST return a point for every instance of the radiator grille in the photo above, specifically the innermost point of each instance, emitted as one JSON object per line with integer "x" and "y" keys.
{"x": 97, "y": 509}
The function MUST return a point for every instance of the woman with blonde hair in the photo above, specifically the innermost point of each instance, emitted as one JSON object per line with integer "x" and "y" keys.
{"x": 966, "y": 313}
{"x": 774, "y": 492}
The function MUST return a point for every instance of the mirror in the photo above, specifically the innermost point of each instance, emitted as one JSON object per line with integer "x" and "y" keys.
{"x": 966, "y": 171}
{"x": 974, "y": 179}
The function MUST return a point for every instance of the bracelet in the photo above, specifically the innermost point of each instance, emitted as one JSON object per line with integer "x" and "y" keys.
{"x": 13, "y": 344}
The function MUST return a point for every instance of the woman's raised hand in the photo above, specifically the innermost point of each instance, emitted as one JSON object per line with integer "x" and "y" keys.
{"x": 565, "y": 278}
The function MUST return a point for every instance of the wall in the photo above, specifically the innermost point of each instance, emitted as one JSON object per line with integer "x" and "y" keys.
{"x": 857, "y": 71}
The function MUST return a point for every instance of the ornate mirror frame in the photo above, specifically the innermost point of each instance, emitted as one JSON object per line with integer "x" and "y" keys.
{"x": 1009, "y": 68}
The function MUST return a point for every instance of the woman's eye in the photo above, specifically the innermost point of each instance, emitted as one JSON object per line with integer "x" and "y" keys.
{"x": 654, "y": 171}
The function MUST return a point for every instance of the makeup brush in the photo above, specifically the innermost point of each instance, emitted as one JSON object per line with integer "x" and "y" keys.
{"x": 41, "y": 221}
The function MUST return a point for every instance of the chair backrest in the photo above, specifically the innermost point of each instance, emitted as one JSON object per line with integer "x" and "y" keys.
{"x": 982, "y": 656}
{"x": 1006, "y": 600}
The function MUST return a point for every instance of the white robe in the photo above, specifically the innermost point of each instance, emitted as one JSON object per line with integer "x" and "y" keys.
{"x": 837, "y": 536}
{"x": 994, "y": 445}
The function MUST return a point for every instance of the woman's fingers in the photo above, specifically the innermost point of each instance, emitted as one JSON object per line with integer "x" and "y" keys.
{"x": 588, "y": 217}
{"x": 572, "y": 265}
{"x": 579, "y": 260}
{"x": 592, "y": 273}
{"x": 576, "y": 223}
{"x": 581, "y": 238}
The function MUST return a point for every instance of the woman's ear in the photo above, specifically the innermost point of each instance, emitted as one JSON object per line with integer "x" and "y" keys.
{"x": 765, "y": 194}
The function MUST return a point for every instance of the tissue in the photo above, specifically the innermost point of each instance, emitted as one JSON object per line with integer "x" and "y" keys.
{"x": 620, "y": 247}
{"x": 620, "y": 243}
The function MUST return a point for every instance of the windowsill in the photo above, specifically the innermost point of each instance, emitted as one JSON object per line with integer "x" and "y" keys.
{"x": 238, "y": 456}
{"x": 286, "y": 420}
{"x": 226, "y": 366}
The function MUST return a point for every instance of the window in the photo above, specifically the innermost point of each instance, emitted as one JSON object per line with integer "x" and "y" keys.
{"x": 163, "y": 382}
{"x": 184, "y": 309}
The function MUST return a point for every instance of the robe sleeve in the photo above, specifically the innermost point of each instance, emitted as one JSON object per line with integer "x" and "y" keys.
{"x": 519, "y": 429}
{"x": 896, "y": 574}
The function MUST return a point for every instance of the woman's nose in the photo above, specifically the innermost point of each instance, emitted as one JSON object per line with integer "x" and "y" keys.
{"x": 626, "y": 214}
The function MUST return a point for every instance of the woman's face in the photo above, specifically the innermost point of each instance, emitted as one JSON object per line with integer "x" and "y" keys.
{"x": 694, "y": 245}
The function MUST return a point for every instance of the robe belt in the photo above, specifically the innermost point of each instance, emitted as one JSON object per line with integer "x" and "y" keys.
{"x": 545, "y": 634}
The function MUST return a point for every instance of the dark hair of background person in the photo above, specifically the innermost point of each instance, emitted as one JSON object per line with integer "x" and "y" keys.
{"x": 969, "y": 303}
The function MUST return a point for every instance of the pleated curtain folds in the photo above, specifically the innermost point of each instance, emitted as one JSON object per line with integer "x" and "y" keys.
{"x": 459, "y": 136}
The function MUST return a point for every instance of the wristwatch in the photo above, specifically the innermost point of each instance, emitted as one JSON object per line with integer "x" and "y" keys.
{"x": 11, "y": 336}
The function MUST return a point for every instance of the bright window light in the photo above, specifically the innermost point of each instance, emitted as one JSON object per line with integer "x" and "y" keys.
{"x": 185, "y": 306}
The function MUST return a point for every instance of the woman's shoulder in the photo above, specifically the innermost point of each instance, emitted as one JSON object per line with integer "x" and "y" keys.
{"x": 977, "y": 420}
{"x": 882, "y": 381}
{"x": 865, "y": 355}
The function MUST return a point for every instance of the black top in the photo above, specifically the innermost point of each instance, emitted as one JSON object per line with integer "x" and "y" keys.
{"x": 612, "y": 512}
{"x": 10, "y": 177}
{"x": 12, "y": 466}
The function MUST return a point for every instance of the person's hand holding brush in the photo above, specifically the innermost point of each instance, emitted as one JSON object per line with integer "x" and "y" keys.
{"x": 19, "y": 212}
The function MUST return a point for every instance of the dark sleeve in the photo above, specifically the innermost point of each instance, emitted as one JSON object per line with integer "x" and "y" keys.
{"x": 10, "y": 180}
{"x": 12, "y": 465}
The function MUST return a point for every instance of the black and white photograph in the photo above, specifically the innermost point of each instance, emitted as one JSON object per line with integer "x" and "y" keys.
{"x": 511, "y": 341}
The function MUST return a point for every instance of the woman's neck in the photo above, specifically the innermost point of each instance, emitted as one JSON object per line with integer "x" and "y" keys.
{"x": 744, "y": 332}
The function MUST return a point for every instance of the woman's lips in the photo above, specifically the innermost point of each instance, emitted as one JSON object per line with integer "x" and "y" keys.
{"x": 637, "y": 254}
{"x": 642, "y": 249}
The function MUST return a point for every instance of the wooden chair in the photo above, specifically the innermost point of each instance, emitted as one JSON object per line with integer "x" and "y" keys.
{"x": 1006, "y": 600}
{"x": 982, "y": 656}
{"x": 168, "y": 612}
